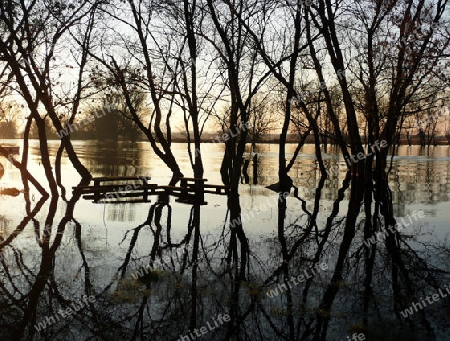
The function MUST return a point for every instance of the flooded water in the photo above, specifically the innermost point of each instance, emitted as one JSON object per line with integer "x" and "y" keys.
{"x": 160, "y": 270}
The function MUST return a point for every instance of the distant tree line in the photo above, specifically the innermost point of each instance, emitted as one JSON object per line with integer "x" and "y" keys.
{"x": 348, "y": 74}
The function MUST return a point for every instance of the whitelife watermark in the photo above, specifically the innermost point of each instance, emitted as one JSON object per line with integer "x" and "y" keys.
{"x": 258, "y": 210}
{"x": 49, "y": 320}
{"x": 382, "y": 234}
{"x": 360, "y": 156}
{"x": 300, "y": 278}
{"x": 203, "y": 330}
{"x": 142, "y": 271}
{"x": 356, "y": 337}
{"x": 76, "y": 126}
{"x": 121, "y": 191}
{"x": 239, "y": 129}
{"x": 417, "y": 306}
{"x": 243, "y": 126}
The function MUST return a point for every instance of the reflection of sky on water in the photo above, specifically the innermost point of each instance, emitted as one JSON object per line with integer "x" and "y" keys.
{"x": 417, "y": 183}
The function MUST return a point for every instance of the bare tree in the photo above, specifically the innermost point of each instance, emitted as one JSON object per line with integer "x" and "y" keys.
{"x": 35, "y": 36}
{"x": 263, "y": 118}
{"x": 165, "y": 62}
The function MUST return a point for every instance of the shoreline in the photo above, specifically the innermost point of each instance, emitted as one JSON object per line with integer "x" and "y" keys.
{"x": 440, "y": 141}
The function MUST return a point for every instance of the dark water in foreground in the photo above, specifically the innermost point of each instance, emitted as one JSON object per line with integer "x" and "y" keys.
{"x": 96, "y": 250}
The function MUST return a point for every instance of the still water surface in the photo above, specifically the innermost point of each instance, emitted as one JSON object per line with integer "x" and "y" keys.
{"x": 95, "y": 248}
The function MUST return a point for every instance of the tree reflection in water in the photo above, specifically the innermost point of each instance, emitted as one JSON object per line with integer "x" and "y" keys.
{"x": 199, "y": 276}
